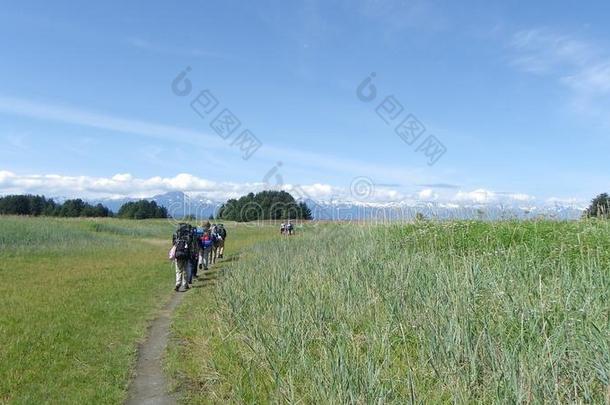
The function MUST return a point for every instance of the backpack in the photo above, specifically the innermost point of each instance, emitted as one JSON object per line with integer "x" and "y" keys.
{"x": 222, "y": 232}
{"x": 184, "y": 231}
{"x": 182, "y": 249}
{"x": 207, "y": 240}
{"x": 182, "y": 241}
{"x": 198, "y": 232}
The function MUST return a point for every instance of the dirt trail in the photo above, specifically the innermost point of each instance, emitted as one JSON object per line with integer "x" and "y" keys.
{"x": 150, "y": 385}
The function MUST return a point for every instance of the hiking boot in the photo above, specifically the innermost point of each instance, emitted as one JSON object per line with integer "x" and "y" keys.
{"x": 205, "y": 268}
{"x": 177, "y": 288}
{"x": 200, "y": 266}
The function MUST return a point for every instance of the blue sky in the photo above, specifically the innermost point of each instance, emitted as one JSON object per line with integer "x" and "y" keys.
{"x": 519, "y": 96}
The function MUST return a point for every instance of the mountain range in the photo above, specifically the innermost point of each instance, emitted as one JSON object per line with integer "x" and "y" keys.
{"x": 180, "y": 204}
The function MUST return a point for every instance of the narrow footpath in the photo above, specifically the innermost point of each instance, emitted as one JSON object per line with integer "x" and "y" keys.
{"x": 150, "y": 386}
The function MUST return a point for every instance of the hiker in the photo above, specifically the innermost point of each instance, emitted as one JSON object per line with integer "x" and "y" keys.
{"x": 191, "y": 266}
{"x": 206, "y": 243}
{"x": 290, "y": 228}
{"x": 197, "y": 258}
{"x": 216, "y": 239}
{"x": 181, "y": 253}
{"x": 282, "y": 228}
{"x": 222, "y": 232}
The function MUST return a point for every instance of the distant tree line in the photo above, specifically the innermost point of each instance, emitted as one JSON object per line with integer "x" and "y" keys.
{"x": 36, "y": 205}
{"x": 142, "y": 209}
{"x": 264, "y": 205}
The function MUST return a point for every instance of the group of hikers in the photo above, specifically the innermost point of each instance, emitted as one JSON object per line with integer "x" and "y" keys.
{"x": 196, "y": 248}
{"x": 287, "y": 229}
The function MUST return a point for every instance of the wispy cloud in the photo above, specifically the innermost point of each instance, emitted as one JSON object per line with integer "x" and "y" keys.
{"x": 268, "y": 152}
{"x": 582, "y": 66}
{"x": 16, "y": 141}
{"x": 76, "y": 116}
{"x": 544, "y": 51}
{"x": 163, "y": 49}
{"x": 593, "y": 80}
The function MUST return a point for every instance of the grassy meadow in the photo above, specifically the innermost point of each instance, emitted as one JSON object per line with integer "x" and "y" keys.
{"x": 454, "y": 312}
{"x": 441, "y": 312}
{"x": 75, "y": 297}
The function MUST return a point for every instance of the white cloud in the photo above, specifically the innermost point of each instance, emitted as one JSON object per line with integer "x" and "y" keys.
{"x": 479, "y": 196}
{"x": 119, "y": 185}
{"x": 122, "y": 177}
{"x": 387, "y": 194}
{"x": 483, "y": 196}
{"x": 321, "y": 191}
{"x": 126, "y": 185}
{"x": 427, "y": 194}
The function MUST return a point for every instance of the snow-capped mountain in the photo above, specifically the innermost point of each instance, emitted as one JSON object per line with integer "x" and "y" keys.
{"x": 180, "y": 204}
{"x": 409, "y": 209}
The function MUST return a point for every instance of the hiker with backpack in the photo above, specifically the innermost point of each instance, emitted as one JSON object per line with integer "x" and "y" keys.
{"x": 181, "y": 253}
{"x": 206, "y": 243}
{"x": 222, "y": 232}
{"x": 290, "y": 228}
{"x": 191, "y": 266}
{"x": 197, "y": 257}
{"x": 217, "y": 239}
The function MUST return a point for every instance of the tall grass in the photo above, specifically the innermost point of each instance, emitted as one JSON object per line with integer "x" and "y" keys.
{"x": 435, "y": 312}
{"x": 56, "y": 235}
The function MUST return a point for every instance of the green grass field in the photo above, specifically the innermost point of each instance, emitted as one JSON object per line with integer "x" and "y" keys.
{"x": 466, "y": 312}
{"x": 75, "y": 296}
{"x": 429, "y": 312}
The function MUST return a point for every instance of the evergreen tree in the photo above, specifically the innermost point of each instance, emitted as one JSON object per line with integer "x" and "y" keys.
{"x": 264, "y": 205}
{"x": 142, "y": 209}
{"x": 39, "y": 205}
{"x": 599, "y": 207}
{"x": 72, "y": 208}
{"x": 305, "y": 211}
